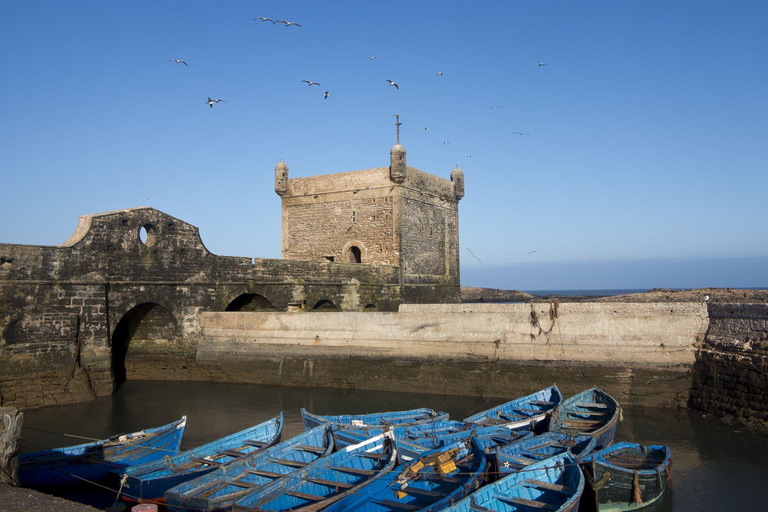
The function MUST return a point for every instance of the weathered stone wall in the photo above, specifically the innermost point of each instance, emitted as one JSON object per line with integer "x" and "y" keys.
{"x": 322, "y": 216}
{"x": 730, "y": 377}
{"x": 64, "y": 309}
{"x": 11, "y": 421}
{"x": 642, "y": 351}
{"x": 411, "y": 224}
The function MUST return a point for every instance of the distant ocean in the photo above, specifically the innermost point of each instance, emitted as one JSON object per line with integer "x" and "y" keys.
{"x": 586, "y": 293}
{"x": 607, "y": 293}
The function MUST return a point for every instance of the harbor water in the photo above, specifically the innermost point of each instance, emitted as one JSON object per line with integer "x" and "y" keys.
{"x": 716, "y": 467}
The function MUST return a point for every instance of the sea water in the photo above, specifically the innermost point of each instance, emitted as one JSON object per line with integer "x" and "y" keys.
{"x": 716, "y": 467}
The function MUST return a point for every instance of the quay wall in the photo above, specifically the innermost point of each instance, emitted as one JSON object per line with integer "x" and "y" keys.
{"x": 641, "y": 353}
{"x": 730, "y": 375}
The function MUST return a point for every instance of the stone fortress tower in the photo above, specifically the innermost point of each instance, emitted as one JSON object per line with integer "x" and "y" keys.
{"x": 396, "y": 215}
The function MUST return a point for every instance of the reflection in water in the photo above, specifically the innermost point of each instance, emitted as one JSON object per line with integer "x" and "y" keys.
{"x": 715, "y": 468}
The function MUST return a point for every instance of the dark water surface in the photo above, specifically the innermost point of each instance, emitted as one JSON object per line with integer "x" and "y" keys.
{"x": 715, "y": 466}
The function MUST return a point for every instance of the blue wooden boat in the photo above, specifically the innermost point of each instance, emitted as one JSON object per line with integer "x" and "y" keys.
{"x": 627, "y": 476}
{"x": 150, "y": 481}
{"x": 487, "y": 438}
{"x": 529, "y": 410}
{"x": 428, "y": 484}
{"x": 417, "y": 440}
{"x": 592, "y": 412}
{"x": 345, "y": 435}
{"x": 326, "y": 480}
{"x": 555, "y": 485}
{"x": 93, "y": 461}
{"x": 520, "y": 454}
{"x": 376, "y": 419}
{"x": 225, "y": 485}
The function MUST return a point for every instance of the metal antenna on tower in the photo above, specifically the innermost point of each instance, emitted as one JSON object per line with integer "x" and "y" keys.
{"x": 397, "y": 124}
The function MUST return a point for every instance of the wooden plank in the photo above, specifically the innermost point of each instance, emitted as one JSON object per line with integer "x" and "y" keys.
{"x": 287, "y": 462}
{"x": 591, "y": 404}
{"x": 311, "y": 449}
{"x": 373, "y": 455}
{"x": 205, "y": 461}
{"x": 524, "y": 409}
{"x": 304, "y": 495}
{"x": 255, "y": 443}
{"x": 521, "y": 460}
{"x": 549, "y": 485}
{"x": 541, "y": 402}
{"x": 233, "y": 453}
{"x": 261, "y": 472}
{"x": 345, "y": 469}
{"x": 395, "y": 504}
{"x": 422, "y": 492}
{"x": 330, "y": 483}
{"x": 528, "y": 503}
{"x": 582, "y": 422}
{"x": 588, "y": 413}
{"x": 212, "y": 490}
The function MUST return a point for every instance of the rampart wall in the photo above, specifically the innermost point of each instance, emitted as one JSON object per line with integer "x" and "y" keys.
{"x": 642, "y": 353}
{"x": 730, "y": 378}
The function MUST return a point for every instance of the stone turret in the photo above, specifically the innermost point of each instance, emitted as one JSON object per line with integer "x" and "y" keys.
{"x": 281, "y": 178}
{"x": 457, "y": 177}
{"x": 397, "y": 163}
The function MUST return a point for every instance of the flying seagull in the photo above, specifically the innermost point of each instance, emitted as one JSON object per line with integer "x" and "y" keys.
{"x": 542, "y": 64}
{"x": 310, "y": 83}
{"x": 446, "y": 143}
{"x": 177, "y": 61}
{"x": 325, "y": 95}
{"x": 473, "y": 254}
{"x": 210, "y": 101}
{"x": 469, "y": 156}
{"x": 531, "y": 252}
{"x": 521, "y": 133}
{"x": 439, "y": 73}
{"x": 371, "y": 57}
{"x": 496, "y": 106}
{"x": 262, "y": 18}
{"x": 426, "y": 128}
{"x": 393, "y": 83}
{"x": 288, "y": 23}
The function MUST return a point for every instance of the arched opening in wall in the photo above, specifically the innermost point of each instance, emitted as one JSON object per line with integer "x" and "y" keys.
{"x": 370, "y": 308}
{"x": 250, "y": 302}
{"x": 324, "y": 305}
{"x": 145, "y": 330}
{"x": 147, "y": 234}
{"x": 354, "y": 255}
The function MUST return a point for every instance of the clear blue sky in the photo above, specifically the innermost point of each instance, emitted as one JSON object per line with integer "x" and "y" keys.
{"x": 646, "y": 163}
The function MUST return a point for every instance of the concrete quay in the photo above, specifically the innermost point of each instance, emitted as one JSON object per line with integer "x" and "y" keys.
{"x": 641, "y": 353}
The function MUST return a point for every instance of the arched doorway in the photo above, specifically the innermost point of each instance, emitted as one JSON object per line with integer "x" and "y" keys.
{"x": 250, "y": 302}
{"x": 354, "y": 255}
{"x": 141, "y": 328}
{"x": 324, "y": 305}
{"x": 370, "y": 308}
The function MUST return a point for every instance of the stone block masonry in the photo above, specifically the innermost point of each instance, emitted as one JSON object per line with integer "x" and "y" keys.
{"x": 730, "y": 377}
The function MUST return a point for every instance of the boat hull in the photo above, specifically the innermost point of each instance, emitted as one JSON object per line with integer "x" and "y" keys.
{"x": 627, "y": 476}
{"x": 150, "y": 481}
{"x": 592, "y": 412}
{"x": 64, "y": 467}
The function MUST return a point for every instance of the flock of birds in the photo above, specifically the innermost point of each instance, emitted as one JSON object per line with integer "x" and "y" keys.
{"x": 212, "y": 101}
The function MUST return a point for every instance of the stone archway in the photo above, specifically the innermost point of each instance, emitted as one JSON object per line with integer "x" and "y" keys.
{"x": 324, "y": 305}
{"x": 147, "y": 328}
{"x": 250, "y": 302}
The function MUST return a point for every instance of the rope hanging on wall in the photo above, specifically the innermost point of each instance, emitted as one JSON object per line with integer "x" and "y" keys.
{"x": 553, "y": 307}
